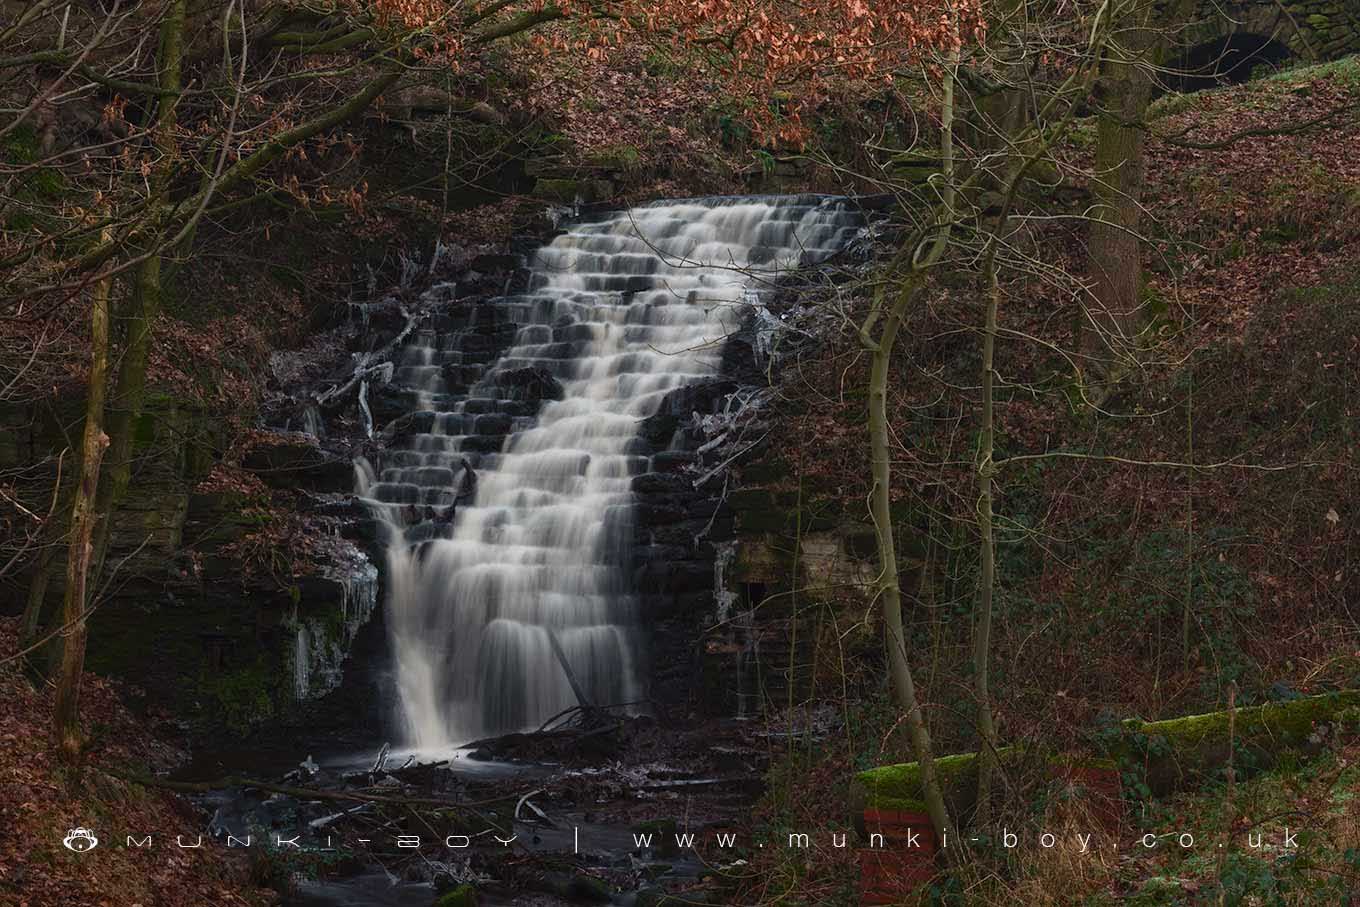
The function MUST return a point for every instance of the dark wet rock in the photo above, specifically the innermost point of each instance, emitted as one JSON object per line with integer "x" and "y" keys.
{"x": 297, "y": 462}
{"x": 384, "y": 317}
{"x": 672, "y": 460}
{"x": 364, "y": 531}
{"x": 388, "y": 402}
{"x": 703, "y": 397}
{"x": 426, "y": 531}
{"x": 661, "y": 483}
{"x": 685, "y": 576}
{"x": 654, "y": 513}
{"x": 494, "y": 263}
{"x": 403, "y": 427}
{"x": 530, "y": 383}
{"x": 655, "y": 432}
{"x": 457, "y": 376}
{"x": 483, "y": 444}
{"x": 660, "y": 606}
{"x": 492, "y": 424}
{"x": 644, "y": 554}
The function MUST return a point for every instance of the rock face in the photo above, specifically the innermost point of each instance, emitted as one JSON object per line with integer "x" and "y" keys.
{"x": 224, "y": 649}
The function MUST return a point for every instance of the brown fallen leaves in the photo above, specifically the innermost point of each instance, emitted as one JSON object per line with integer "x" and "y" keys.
{"x": 40, "y": 801}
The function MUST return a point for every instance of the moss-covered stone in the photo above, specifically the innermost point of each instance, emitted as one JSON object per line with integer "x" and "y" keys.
{"x": 586, "y": 889}
{"x": 462, "y": 896}
{"x": 657, "y": 827}
{"x": 619, "y": 158}
{"x": 242, "y": 699}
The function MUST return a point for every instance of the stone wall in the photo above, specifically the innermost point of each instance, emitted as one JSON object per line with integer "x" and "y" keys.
{"x": 793, "y": 553}
{"x": 1313, "y": 30}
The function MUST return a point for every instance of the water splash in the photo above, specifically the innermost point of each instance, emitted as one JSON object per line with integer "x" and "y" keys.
{"x": 508, "y": 559}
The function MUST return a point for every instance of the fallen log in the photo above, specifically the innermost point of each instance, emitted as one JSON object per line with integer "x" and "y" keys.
{"x": 1164, "y": 755}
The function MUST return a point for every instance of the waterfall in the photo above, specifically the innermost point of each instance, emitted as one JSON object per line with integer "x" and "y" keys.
{"x": 506, "y": 491}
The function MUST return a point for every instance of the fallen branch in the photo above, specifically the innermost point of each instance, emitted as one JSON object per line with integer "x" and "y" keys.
{"x": 368, "y": 363}
{"x": 302, "y": 793}
{"x": 1259, "y": 132}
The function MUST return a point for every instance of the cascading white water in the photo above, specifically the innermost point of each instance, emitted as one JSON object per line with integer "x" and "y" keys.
{"x": 532, "y": 569}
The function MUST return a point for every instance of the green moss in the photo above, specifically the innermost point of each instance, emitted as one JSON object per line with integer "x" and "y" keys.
{"x": 586, "y": 888}
{"x": 623, "y": 158}
{"x": 1170, "y": 749}
{"x": 38, "y": 189}
{"x": 1276, "y": 724}
{"x": 661, "y": 63}
{"x": 898, "y": 787}
{"x": 462, "y": 896}
{"x": 241, "y": 699}
{"x": 656, "y": 827}
{"x": 22, "y": 145}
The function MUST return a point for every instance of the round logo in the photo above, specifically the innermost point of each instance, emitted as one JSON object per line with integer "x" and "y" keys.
{"x": 80, "y": 840}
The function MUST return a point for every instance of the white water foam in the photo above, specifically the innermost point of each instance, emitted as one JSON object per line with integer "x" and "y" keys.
{"x": 532, "y": 569}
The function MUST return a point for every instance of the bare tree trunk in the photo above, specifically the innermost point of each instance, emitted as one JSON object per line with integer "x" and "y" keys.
{"x": 917, "y": 259}
{"x": 145, "y": 301}
{"x": 32, "y": 620}
{"x": 1125, "y": 88}
{"x": 65, "y": 716}
{"x": 982, "y": 630}
{"x": 889, "y": 582}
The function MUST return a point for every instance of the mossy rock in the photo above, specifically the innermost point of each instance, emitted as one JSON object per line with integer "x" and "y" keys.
{"x": 618, "y": 158}
{"x": 241, "y": 699}
{"x": 656, "y": 827}
{"x": 462, "y": 896}
{"x": 1156, "y": 891}
{"x": 585, "y": 889}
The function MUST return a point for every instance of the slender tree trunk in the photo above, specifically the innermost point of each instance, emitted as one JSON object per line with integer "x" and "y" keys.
{"x": 917, "y": 259}
{"x": 982, "y": 630}
{"x": 32, "y": 620}
{"x": 889, "y": 583}
{"x": 1124, "y": 88}
{"x": 1188, "y": 605}
{"x": 145, "y": 301}
{"x": 126, "y": 407}
{"x": 66, "y": 718}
